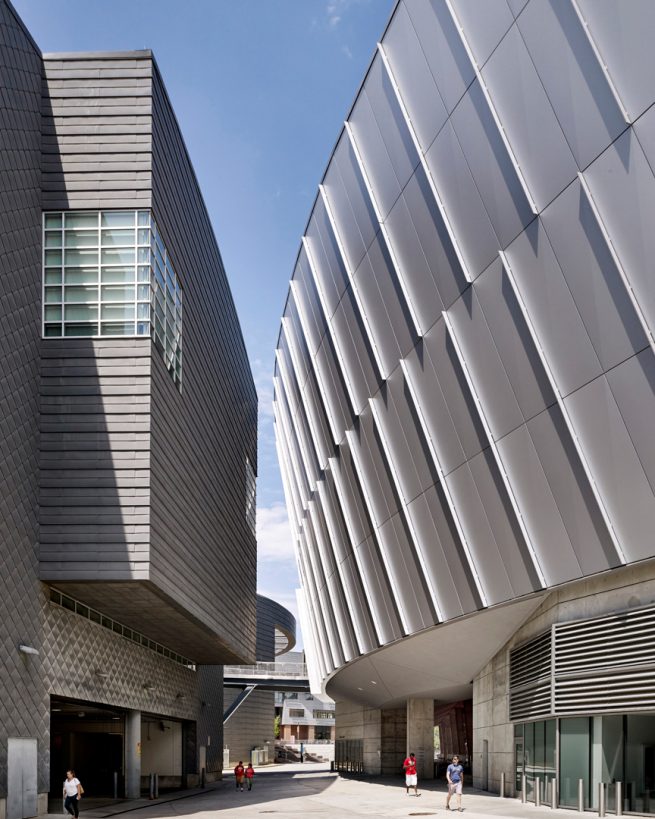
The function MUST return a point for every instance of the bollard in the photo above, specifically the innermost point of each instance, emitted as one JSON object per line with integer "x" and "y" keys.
{"x": 151, "y": 786}
{"x": 601, "y": 799}
{"x": 619, "y": 798}
{"x": 537, "y": 792}
{"x": 553, "y": 793}
{"x": 502, "y": 784}
{"x": 581, "y": 795}
{"x": 203, "y": 777}
{"x": 524, "y": 788}
{"x": 115, "y": 784}
{"x": 156, "y": 785}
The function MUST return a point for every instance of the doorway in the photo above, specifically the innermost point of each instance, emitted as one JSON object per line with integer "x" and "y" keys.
{"x": 21, "y": 778}
{"x": 90, "y": 740}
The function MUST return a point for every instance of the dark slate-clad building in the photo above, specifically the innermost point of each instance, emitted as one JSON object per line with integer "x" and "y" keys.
{"x": 465, "y": 396}
{"x": 127, "y": 436}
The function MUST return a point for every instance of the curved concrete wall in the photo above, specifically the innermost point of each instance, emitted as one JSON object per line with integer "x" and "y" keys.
{"x": 273, "y": 620}
{"x": 464, "y": 374}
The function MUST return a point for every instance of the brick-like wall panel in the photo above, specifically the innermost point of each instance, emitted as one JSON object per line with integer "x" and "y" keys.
{"x": 23, "y": 695}
{"x": 202, "y": 548}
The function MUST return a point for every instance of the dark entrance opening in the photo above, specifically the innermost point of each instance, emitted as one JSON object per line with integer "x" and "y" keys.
{"x": 90, "y": 739}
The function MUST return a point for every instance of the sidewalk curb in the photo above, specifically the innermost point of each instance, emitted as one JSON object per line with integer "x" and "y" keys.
{"x": 128, "y": 805}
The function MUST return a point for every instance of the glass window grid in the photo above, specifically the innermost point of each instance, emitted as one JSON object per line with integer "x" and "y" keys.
{"x": 97, "y": 243}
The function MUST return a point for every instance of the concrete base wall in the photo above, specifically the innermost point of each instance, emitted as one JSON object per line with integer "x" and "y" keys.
{"x": 387, "y": 734}
{"x": 394, "y": 740}
{"x": 355, "y": 721}
{"x": 251, "y": 726}
{"x": 616, "y": 591}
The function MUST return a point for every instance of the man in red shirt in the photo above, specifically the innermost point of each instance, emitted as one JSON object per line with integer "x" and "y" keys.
{"x": 239, "y": 773}
{"x": 411, "y": 778}
{"x": 250, "y": 772}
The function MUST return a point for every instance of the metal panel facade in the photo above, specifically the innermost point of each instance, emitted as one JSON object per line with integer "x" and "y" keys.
{"x": 22, "y": 692}
{"x": 115, "y": 483}
{"x": 489, "y": 201}
{"x": 126, "y": 455}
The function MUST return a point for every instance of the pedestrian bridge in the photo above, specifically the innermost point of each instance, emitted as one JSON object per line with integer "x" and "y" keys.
{"x": 264, "y": 677}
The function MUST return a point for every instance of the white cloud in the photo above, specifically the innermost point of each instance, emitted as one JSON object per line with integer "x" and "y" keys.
{"x": 274, "y": 539}
{"x": 335, "y": 10}
{"x": 263, "y": 378}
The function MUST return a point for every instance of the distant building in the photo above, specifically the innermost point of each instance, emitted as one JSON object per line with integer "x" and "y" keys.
{"x": 304, "y": 717}
{"x": 128, "y": 431}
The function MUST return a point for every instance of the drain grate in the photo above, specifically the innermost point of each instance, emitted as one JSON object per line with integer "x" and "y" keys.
{"x": 423, "y": 813}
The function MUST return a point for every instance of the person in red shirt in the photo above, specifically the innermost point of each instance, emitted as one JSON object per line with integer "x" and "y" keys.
{"x": 411, "y": 777}
{"x": 239, "y": 773}
{"x": 250, "y": 772}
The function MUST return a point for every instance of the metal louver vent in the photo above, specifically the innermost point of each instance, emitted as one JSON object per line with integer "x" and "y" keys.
{"x": 531, "y": 703}
{"x": 530, "y": 661}
{"x": 626, "y": 639}
{"x": 624, "y": 692}
{"x": 606, "y": 664}
{"x": 600, "y": 666}
{"x": 530, "y": 667}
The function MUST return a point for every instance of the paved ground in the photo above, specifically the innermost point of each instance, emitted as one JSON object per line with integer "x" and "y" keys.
{"x": 310, "y": 790}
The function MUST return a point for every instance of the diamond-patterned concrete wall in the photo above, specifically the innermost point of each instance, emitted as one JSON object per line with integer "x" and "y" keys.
{"x": 75, "y": 648}
{"x": 23, "y": 696}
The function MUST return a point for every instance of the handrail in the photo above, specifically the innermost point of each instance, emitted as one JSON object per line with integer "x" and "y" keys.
{"x": 293, "y": 670}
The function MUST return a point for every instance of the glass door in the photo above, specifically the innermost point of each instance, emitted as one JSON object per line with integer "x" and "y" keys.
{"x": 519, "y": 762}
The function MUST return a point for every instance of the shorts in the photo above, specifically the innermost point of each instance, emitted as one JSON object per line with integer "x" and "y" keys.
{"x": 411, "y": 780}
{"x": 455, "y": 787}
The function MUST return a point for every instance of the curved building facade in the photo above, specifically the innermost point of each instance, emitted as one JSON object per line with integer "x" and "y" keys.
{"x": 464, "y": 379}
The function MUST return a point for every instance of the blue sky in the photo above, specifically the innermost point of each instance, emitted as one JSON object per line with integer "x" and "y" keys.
{"x": 260, "y": 88}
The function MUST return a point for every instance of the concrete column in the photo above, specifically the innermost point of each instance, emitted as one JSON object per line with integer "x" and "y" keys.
{"x": 372, "y": 741}
{"x": 420, "y": 735}
{"x": 133, "y": 755}
{"x": 358, "y": 722}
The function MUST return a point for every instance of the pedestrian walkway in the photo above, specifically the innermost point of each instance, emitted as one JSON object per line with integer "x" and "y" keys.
{"x": 297, "y": 791}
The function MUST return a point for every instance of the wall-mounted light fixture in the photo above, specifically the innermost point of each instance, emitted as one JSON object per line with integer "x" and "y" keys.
{"x": 25, "y": 649}
{"x": 102, "y": 674}
{"x": 180, "y": 696}
{"x": 148, "y": 686}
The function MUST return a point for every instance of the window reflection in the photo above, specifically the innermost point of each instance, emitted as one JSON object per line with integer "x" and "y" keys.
{"x": 609, "y": 749}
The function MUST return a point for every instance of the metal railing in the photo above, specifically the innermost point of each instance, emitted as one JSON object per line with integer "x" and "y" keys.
{"x": 267, "y": 670}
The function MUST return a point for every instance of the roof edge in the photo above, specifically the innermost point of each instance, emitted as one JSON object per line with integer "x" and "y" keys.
{"x": 140, "y": 54}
